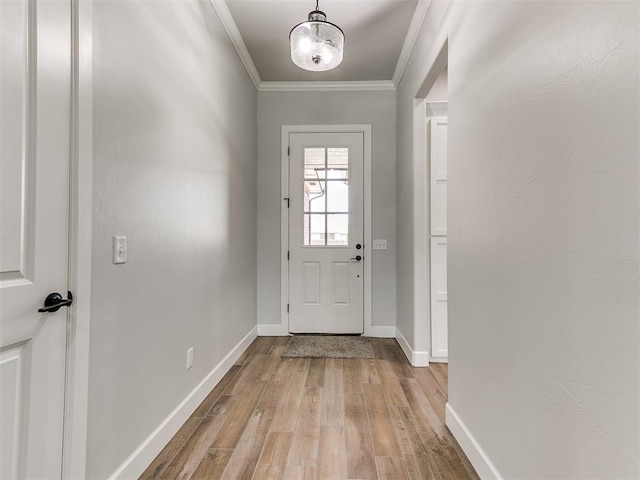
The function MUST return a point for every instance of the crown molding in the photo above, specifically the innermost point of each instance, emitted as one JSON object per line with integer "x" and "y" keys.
{"x": 410, "y": 40}
{"x": 229, "y": 24}
{"x": 326, "y": 86}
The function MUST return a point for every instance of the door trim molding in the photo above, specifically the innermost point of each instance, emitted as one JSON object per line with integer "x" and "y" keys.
{"x": 284, "y": 216}
{"x": 74, "y": 451}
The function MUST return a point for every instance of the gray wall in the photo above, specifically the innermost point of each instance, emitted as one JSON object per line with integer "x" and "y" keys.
{"x": 326, "y": 108}
{"x": 544, "y": 214}
{"x": 439, "y": 90}
{"x": 174, "y": 171}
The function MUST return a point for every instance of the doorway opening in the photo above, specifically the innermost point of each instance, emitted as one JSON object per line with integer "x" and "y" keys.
{"x": 430, "y": 125}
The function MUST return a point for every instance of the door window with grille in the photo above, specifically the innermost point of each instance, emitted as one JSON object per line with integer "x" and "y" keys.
{"x": 326, "y": 196}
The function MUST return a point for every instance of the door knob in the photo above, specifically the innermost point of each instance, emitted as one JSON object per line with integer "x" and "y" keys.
{"x": 357, "y": 258}
{"x": 358, "y": 246}
{"x": 55, "y": 302}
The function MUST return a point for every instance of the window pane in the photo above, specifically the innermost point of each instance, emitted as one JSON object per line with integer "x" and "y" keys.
{"x": 314, "y": 233}
{"x": 314, "y": 196}
{"x": 337, "y": 197}
{"x": 338, "y": 173}
{"x": 314, "y": 162}
{"x": 337, "y": 162}
{"x": 338, "y": 158}
{"x": 338, "y": 229}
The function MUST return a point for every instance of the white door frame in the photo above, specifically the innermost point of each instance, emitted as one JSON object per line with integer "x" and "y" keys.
{"x": 283, "y": 328}
{"x": 80, "y": 205}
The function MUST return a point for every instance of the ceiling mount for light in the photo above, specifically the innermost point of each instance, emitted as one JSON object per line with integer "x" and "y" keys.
{"x": 316, "y": 44}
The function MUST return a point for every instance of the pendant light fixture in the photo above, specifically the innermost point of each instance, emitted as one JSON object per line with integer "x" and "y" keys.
{"x": 316, "y": 44}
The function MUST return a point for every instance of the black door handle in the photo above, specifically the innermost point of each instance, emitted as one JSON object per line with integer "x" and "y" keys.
{"x": 55, "y": 302}
{"x": 357, "y": 258}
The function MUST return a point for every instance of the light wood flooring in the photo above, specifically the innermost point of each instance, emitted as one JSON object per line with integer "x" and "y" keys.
{"x": 301, "y": 418}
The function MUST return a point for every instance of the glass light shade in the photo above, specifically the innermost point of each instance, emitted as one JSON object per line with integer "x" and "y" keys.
{"x": 316, "y": 44}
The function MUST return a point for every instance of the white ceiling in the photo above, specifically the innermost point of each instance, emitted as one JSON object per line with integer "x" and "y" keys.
{"x": 375, "y": 32}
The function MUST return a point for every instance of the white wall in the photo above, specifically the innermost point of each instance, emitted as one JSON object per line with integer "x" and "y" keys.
{"x": 422, "y": 74}
{"x": 326, "y": 108}
{"x": 174, "y": 171}
{"x": 543, "y": 227}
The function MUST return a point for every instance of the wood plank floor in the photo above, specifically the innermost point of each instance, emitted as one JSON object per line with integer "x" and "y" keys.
{"x": 301, "y": 418}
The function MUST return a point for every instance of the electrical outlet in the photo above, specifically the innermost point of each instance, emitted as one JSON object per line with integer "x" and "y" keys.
{"x": 380, "y": 244}
{"x": 119, "y": 249}
{"x": 189, "y": 358}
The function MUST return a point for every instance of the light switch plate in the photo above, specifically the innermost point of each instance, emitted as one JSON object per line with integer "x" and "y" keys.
{"x": 119, "y": 249}
{"x": 189, "y": 358}
{"x": 379, "y": 244}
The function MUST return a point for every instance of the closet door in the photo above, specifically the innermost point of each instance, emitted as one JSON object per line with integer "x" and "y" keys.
{"x": 438, "y": 175}
{"x": 439, "y": 335}
{"x": 437, "y": 135}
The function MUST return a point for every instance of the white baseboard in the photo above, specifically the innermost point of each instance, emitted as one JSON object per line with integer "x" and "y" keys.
{"x": 272, "y": 330}
{"x": 380, "y": 331}
{"x": 417, "y": 359}
{"x": 439, "y": 360}
{"x": 476, "y": 455}
{"x": 142, "y": 457}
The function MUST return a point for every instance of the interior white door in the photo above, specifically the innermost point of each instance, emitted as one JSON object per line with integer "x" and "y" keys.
{"x": 438, "y": 127}
{"x": 35, "y": 86}
{"x": 439, "y": 306}
{"x": 326, "y": 232}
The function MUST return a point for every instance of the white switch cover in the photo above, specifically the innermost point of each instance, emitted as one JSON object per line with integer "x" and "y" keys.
{"x": 189, "y": 358}
{"x": 119, "y": 249}
{"x": 379, "y": 244}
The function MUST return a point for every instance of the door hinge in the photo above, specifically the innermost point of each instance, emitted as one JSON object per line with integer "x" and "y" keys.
{"x": 287, "y": 254}
{"x": 288, "y": 151}
{"x": 287, "y": 199}
{"x": 287, "y": 308}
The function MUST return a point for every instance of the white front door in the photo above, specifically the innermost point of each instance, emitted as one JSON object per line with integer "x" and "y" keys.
{"x": 326, "y": 233}
{"x": 35, "y": 88}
